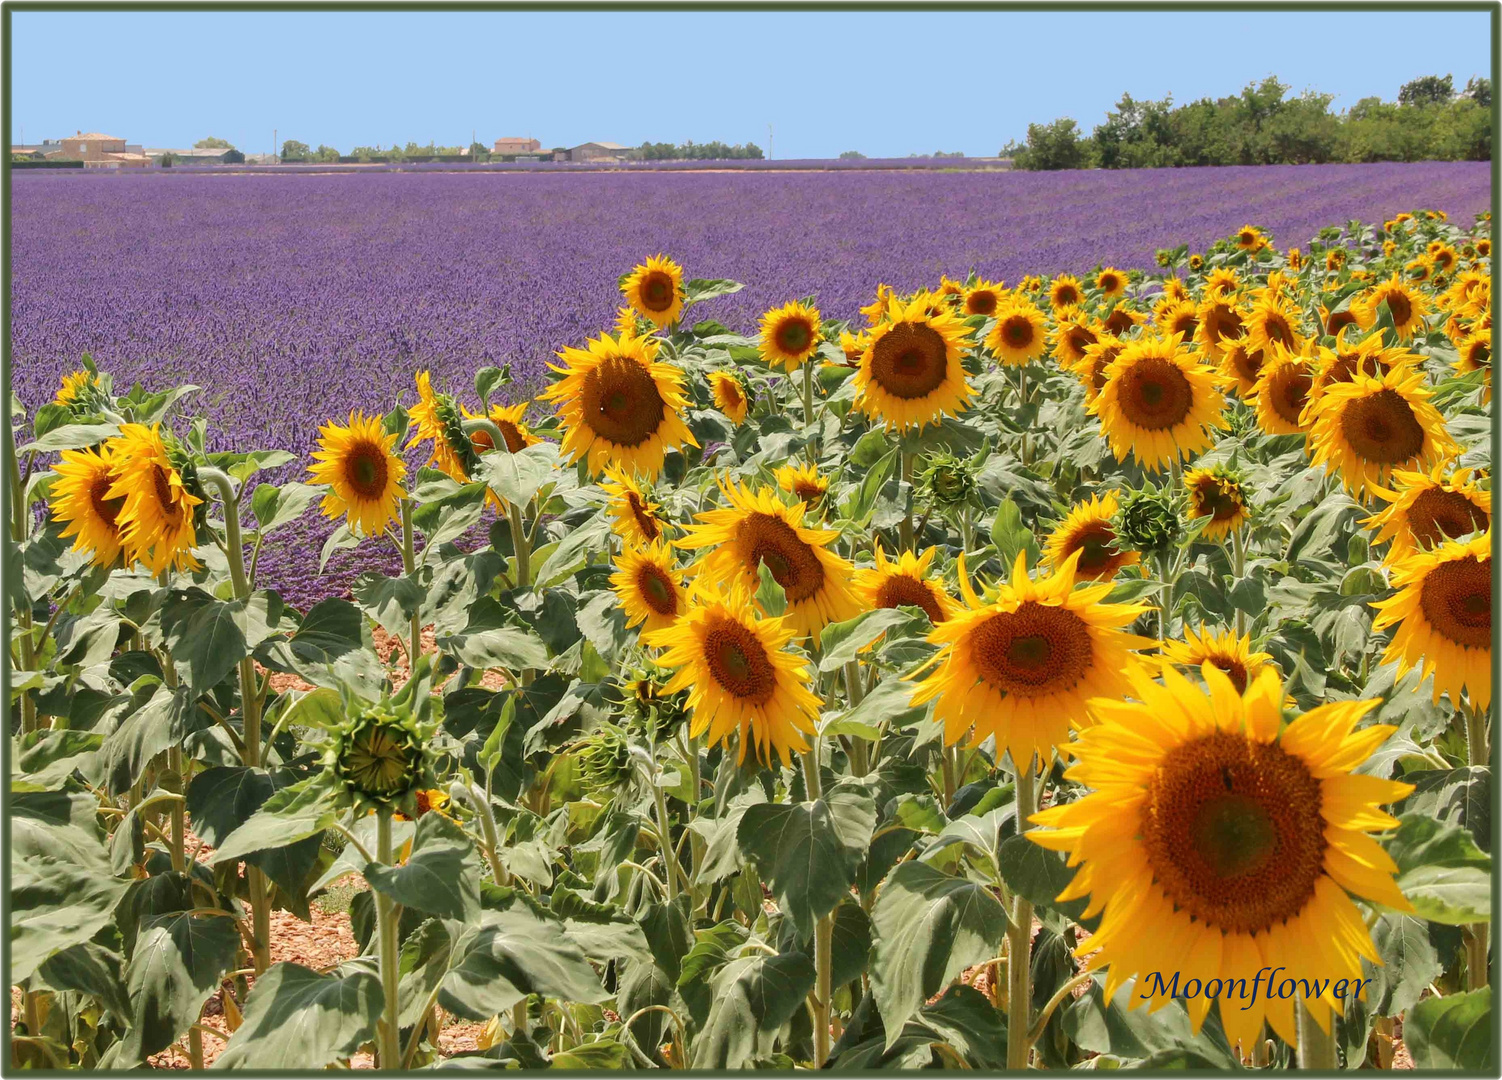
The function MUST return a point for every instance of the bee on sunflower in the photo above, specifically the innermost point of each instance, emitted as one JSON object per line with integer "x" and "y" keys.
{"x": 1020, "y": 334}
{"x": 650, "y": 586}
{"x": 790, "y": 335}
{"x": 1426, "y": 509}
{"x": 1226, "y": 650}
{"x": 655, "y": 290}
{"x": 619, "y": 405}
{"x": 157, "y": 520}
{"x": 1089, "y": 530}
{"x": 1218, "y": 494}
{"x": 730, "y": 395}
{"x": 1158, "y": 403}
{"x": 910, "y": 374}
{"x": 1214, "y": 831}
{"x": 1366, "y": 428}
{"x": 78, "y": 497}
{"x": 362, "y": 472}
{"x": 905, "y": 582}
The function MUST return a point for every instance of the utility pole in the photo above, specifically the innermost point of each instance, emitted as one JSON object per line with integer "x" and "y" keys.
{"x": 274, "y": 159}
{"x": 770, "y": 144}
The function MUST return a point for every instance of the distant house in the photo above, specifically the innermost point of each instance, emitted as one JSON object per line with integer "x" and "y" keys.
{"x": 601, "y": 151}
{"x": 98, "y": 151}
{"x": 36, "y": 151}
{"x": 515, "y": 145}
{"x": 196, "y": 156}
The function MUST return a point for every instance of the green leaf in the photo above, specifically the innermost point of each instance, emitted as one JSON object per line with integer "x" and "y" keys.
{"x": 1441, "y": 871}
{"x": 145, "y": 733}
{"x": 71, "y": 437}
{"x": 1040, "y": 876}
{"x": 516, "y": 478}
{"x": 1124, "y": 1028}
{"x": 55, "y": 904}
{"x": 573, "y": 551}
{"x": 600, "y": 1054}
{"x": 442, "y": 876}
{"x": 753, "y": 997}
{"x": 511, "y": 954}
{"x": 205, "y": 636}
{"x": 391, "y": 602}
{"x": 489, "y": 641}
{"x": 809, "y": 852}
{"x": 929, "y": 928}
{"x": 296, "y": 1018}
{"x": 770, "y": 596}
{"x": 842, "y": 642}
{"x": 1452, "y": 1032}
{"x": 860, "y": 503}
{"x": 179, "y": 960}
{"x": 699, "y": 289}
{"x": 89, "y": 968}
{"x": 1409, "y": 962}
{"x": 294, "y": 813}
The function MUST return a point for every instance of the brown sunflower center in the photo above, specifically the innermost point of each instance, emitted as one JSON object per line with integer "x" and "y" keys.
{"x": 162, "y": 486}
{"x": 730, "y": 393}
{"x": 365, "y": 471}
{"x": 621, "y": 402}
{"x": 1017, "y": 331}
{"x": 1077, "y": 337}
{"x": 657, "y": 589}
{"x": 1276, "y": 328}
{"x": 515, "y": 444}
{"x": 1233, "y": 832}
{"x": 1290, "y": 393}
{"x": 1155, "y": 394}
{"x": 1108, "y": 282}
{"x": 981, "y": 302}
{"x": 1246, "y": 365}
{"x": 1096, "y": 544}
{"x": 1457, "y": 600}
{"x": 1382, "y": 428}
{"x": 1065, "y": 294}
{"x": 1217, "y": 499}
{"x": 657, "y": 291}
{"x": 1233, "y": 668}
{"x": 808, "y": 491}
{"x": 1119, "y": 322}
{"x": 909, "y": 361}
{"x": 1036, "y": 650}
{"x": 1222, "y": 323}
{"x": 646, "y": 521}
{"x": 1338, "y": 319}
{"x": 1400, "y": 306}
{"x": 1186, "y": 323}
{"x": 738, "y": 661}
{"x": 1479, "y": 355}
{"x": 899, "y": 590}
{"x": 794, "y": 335}
{"x": 771, "y": 542}
{"x": 1437, "y": 514}
{"x": 107, "y": 509}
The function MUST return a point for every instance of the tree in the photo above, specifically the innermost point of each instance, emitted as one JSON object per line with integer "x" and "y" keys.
{"x": 325, "y": 153}
{"x": 852, "y": 155}
{"x": 1428, "y": 90}
{"x": 234, "y": 157}
{"x": 1053, "y": 146}
{"x": 1478, "y": 88}
{"x": 167, "y": 160}
{"x": 292, "y": 150}
{"x": 479, "y": 151}
{"x": 213, "y": 143}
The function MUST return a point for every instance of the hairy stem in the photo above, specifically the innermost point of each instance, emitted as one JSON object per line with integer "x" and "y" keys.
{"x": 409, "y": 565}
{"x": 1020, "y": 942}
{"x": 823, "y": 931}
{"x": 1478, "y": 745}
{"x": 19, "y": 527}
{"x": 387, "y": 953}
{"x": 905, "y": 534}
{"x": 1316, "y": 1045}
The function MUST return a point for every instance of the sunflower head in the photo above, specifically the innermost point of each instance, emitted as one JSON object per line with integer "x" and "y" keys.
{"x": 1196, "y": 262}
{"x": 1272, "y": 321}
{"x": 654, "y": 289}
{"x": 1091, "y": 367}
{"x": 947, "y": 480}
{"x": 1149, "y": 519}
{"x": 1178, "y": 317}
{"x": 362, "y": 471}
{"x": 650, "y": 586}
{"x": 1283, "y": 391}
{"x": 83, "y": 392}
{"x": 1065, "y": 291}
{"x": 910, "y": 374}
{"x": 1220, "y": 324}
{"x": 1365, "y": 429}
{"x": 438, "y": 417}
{"x": 515, "y": 434}
{"x": 1250, "y": 238}
{"x": 730, "y": 395}
{"x": 1111, "y": 282}
{"x": 1089, "y": 531}
{"x": 1218, "y": 494}
{"x": 876, "y": 311}
{"x": 983, "y": 298}
{"x": 905, "y": 582}
{"x": 79, "y": 499}
{"x": 1295, "y": 259}
{"x": 802, "y": 481}
{"x": 634, "y": 516}
{"x": 1222, "y": 283}
{"x": 1426, "y": 509}
{"x": 1405, "y": 305}
{"x": 607, "y": 765}
{"x": 1122, "y": 319}
{"x": 790, "y": 335}
{"x": 1225, "y": 650}
{"x": 1020, "y": 333}
{"x": 380, "y": 756}
{"x": 155, "y": 477}
{"x": 1158, "y": 403}
{"x": 1072, "y": 335}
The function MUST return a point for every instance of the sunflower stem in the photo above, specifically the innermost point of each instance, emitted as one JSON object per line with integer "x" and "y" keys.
{"x": 669, "y": 861}
{"x": 1478, "y": 972}
{"x": 409, "y": 566}
{"x": 387, "y": 953}
{"x": 1238, "y": 564}
{"x": 1020, "y": 942}
{"x": 519, "y": 542}
{"x": 19, "y": 527}
{"x": 906, "y": 534}
{"x": 1316, "y": 1045}
{"x": 808, "y": 408}
{"x": 1021, "y": 405}
{"x": 823, "y": 929}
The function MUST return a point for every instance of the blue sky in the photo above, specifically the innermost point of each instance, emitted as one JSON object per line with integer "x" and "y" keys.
{"x": 885, "y": 83}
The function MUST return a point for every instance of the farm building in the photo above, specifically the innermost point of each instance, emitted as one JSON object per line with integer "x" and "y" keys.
{"x": 515, "y": 145}
{"x": 601, "y": 151}
{"x": 98, "y": 151}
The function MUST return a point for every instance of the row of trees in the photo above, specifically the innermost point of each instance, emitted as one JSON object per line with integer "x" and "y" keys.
{"x": 1430, "y": 121}
{"x": 692, "y": 151}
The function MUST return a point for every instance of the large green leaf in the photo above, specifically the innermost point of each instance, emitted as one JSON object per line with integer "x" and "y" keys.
{"x": 842, "y": 642}
{"x": 511, "y": 954}
{"x": 292, "y": 814}
{"x": 1441, "y": 871}
{"x": 56, "y": 903}
{"x": 1040, "y": 876}
{"x": 517, "y": 477}
{"x": 204, "y": 636}
{"x": 1452, "y": 1032}
{"x": 753, "y": 997}
{"x": 179, "y": 960}
{"x": 275, "y": 506}
{"x": 1409, "y": 962}
{"x": 90, "y": 968}
{"x": 490, "y": 641}
{"x": 390, "y": 601}
{"x": 156, "y": 726}
{"x": 929, "y": 928}
{"x": 809, "y": 852}
{"x": 442, "y": 876}
{"x": 1124, "y": 1028}
{"x": 963, "y": 1021}
{"x": 296, "y": 1018}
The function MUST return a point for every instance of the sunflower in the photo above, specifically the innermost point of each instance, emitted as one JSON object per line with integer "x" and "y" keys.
{"x": 1065, "y": 291}
{"x": 905, "y": 583}
{"x": 1222, "y": 284}
{"x": 1111, "y": 282}
{"x": 1474, "y": 353}
{"x": 730, "y": 395}
{"x": 435, "y": 417}
{"x": 1158, "y": 403}
{"x": 876, "y": 310}
{"x": 78, "y": 498}
{"x": 635, "y": 517}
{"x": 1295, "y": 259}
{"x": 1021, "y": 667}
{"x": 1366, "y": 357}
{"x": 1426, "y": 509}
{"x": 1335, "y": 321}
{"x": 790, "y": 335}
{"x": 1196, "y": 262}
{"x": 1241, "y": 367}
{"x": 1174, "y": 290}
{"x": 983, "y": 298}
{"x": 1366, "y": 428}
{"x": 1250, "y": 238}
{"x": 853, "y": 346}
{"x": 362, "y": 472}
{"x": 739, "y": 675}
{"x": 910, "y": 373}
{"x": 1091, "y": 367}
{"x": 77, "y": 388}
{"x": 1219, "y": 494}
{"x": 756, "y": 530}
{"x": 655, "y": 289}
{"x": 1179, "y": 317}
{"x": 803, "y": 482}
{"x": 1071, "y": 335}
{"x": 619, "y": 406}
{"x": 1272, "y": 321}
{"x": 514, "y": 431}
{"x": 1231, "y": 654}
{"x": 1220, "y": 325}
{"x": 1088, "y": 530}
{"x": 1282, "y": 393}
{"x": 1218, "y": 843}
{"x": 1335, "y": 258}
{"x": 156, "y": 519}
{"x": 1408, "y": 307}
{"x": 950, "y": 289}
{"x": 626, "y": 321}
{"x": 1020, "y": 334}
{"x": 1442, "y": 256}
{"x": 1443, "y": 611}
{"x": 650, "y": 587}
{"x": 1121, "y": 319}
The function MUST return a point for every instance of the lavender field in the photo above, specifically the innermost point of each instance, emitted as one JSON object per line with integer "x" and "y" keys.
{"x": 291, "y": 299}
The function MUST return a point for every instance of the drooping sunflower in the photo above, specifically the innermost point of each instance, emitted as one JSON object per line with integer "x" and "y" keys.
{"x": 1020, "y": 334}
{"x": 1021, "y": 667}
{"x": 950, "y": 289}
{"x": 635, "y": 517}
{"x": 905, "y": 582}
{"x": 1250, "y": 238}
{"x": 758, "y": 529}
{"x": 649, "y": 585}
{"x": 362, "y": 471}
{"x": 729, "y": 395}
{"x": 1222, "y": 284}
{"x": 1091, "y": 367}
{"x": 619, "y": 405}
{"x": 1242, "y": 368}
{"x": 910, "y": 374}
{"x": 1217, "y": 493}
{"x": 1220, "y": 324}
{"x": 1217, "y": 843}
{"x": 1443, "y": 611}
{"x": 876, "y": 311}
{"x": 1072, "y": 333}
{"x": 1065, "y": 291}
{"x": 1228, "y": 652}
{"x": 1179, "y": 317}
{"x": 514, "y": 430}
{"x": 1282, "y": 393}
{"x": 1426, "y": 509}
{"x": 1272, "y": 321}
{"x": 983, "y": 298}
{"x": 1111, "y": 282}
{"x": 655, "y": 289}
{"x": 802, "y": 481}
{"x": 156, "y": 520}
{"x": 1088, "y": 530}
{"x": 1158, "y": 403}
{"x": 1367, "y": 357}
{"x": 740, "y": 677}
{"x": 78, "y": 498}
{"x": 1408, "y": 306}
{"x": 626, "y": 321}
{"x": 1366, "y": 428}
{"x": 437, "y": 417}
{"x": 790, "y": 335}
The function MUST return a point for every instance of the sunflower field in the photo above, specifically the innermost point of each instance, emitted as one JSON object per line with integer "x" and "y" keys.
{"x": 1088, "y": 672}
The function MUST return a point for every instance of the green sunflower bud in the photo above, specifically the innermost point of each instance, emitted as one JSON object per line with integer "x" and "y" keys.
{"x": 605, "y": 762}
{"x": 380, "y": 758}
{"x": 1150, "y": 520}
{"x": 647, "y": 707}
{"x": 454, "y": 434}
{"x": 947, "y": 480}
